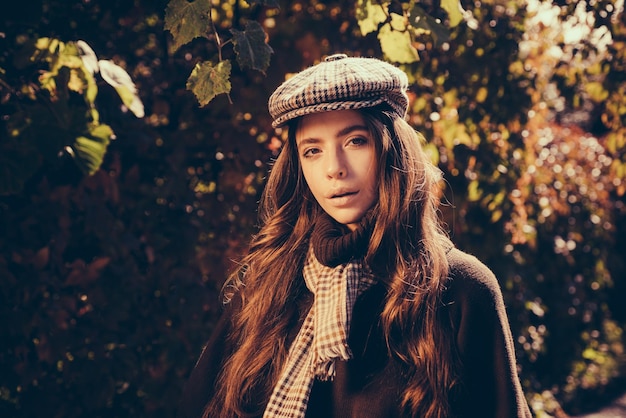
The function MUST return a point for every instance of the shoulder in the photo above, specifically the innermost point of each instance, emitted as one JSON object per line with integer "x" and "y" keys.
{"x": 467, "y": 271}
{"x": 471, "y": 283}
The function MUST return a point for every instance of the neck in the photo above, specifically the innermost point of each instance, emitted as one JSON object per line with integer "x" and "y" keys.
{"x": 334, "y": 244}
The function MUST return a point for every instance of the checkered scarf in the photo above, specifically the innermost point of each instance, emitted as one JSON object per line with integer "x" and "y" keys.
{"x": 323, "y": 338}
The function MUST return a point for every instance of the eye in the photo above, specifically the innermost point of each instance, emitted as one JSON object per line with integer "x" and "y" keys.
{"x": 310, "y": 152}
{"x": 358, "y": 141}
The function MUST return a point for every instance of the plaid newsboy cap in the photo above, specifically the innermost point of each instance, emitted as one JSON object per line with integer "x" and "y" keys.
{"x": 337, "y": 83}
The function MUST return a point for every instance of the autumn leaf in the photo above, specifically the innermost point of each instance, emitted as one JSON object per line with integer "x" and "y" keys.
{"x": 187, "y": 20}
{"x": 370, "y": 15}
{"x": 396, "y": 45}
{"x": 455, "y": 11}
{"x": 422, "y": 21}
{"x": 89, "y": 150}
{"x": 250, "y": 46}
{"x": 207, "y": 81}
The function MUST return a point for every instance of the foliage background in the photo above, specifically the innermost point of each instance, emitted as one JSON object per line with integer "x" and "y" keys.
{"x": 109, "y": 282}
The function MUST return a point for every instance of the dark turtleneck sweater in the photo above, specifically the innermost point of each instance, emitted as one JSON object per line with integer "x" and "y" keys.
{"x": 371, "y": 384}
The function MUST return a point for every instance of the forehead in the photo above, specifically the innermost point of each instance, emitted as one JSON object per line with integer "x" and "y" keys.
{"x": 332, "y": 123}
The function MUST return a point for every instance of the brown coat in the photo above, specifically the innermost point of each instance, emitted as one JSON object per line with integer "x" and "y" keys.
{"x": 370, "y": 384}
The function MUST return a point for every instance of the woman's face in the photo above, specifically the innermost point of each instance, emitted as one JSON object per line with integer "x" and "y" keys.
{"x": 338, "y": 159}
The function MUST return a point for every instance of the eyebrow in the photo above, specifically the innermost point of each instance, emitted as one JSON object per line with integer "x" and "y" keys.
{"x": 345, "y": 131}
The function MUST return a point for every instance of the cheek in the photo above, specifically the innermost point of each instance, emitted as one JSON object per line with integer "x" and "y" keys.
{"x": 306, "y": 176}
{"x": 310, "y": 182}
{"x": 372, "y": 173}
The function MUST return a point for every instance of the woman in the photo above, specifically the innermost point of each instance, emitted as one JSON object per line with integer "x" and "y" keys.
{"x": 352, "y": 302}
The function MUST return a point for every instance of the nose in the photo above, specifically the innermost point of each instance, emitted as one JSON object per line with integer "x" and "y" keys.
{"x": 336, "y": 166}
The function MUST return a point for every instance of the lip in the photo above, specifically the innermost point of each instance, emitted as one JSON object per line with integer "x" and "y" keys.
{"x": 341, "y": 198}
{"x": 340, "y": 193}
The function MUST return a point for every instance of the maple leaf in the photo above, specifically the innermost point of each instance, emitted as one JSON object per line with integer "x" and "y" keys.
{"x": 423, "y": 22}
{"x": 187, "y": 20}
{"x": 397, "y": 45}
{"x": 370, "y": 16}
{"x": 207, "y": 81}
{"x": 250, "y": 46}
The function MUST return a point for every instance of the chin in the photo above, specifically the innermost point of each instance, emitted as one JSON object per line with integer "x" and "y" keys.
{"x": 347, "y": 220}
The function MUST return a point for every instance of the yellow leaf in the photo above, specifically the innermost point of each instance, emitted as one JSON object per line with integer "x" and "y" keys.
{"x": 396, "y": 45}
{"x": 370, "y": 15}
{"x": 454, "y": 9}
{"x": 398, "y": 22}
{"x": 596, "y": 91}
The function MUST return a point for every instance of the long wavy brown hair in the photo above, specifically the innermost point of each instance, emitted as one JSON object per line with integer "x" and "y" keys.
{"x": 407, "y": 246}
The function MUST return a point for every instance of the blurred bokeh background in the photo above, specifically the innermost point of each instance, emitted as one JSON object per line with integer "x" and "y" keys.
{"x": 123, "y": 208}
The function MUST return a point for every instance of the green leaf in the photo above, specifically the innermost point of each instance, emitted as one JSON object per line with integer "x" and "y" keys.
{"x": 187, "y": 20}
{"x": 422, "y": 21}
{"x": 269, "y": 3}
{"x": 250, "y": 46}
{"x": 207, "y": 81}
{"x": 370, "y": 16}
{"x": 396, "y": 45}
{"x": 89, "y": 149}
{"x": 455, "y": 11}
